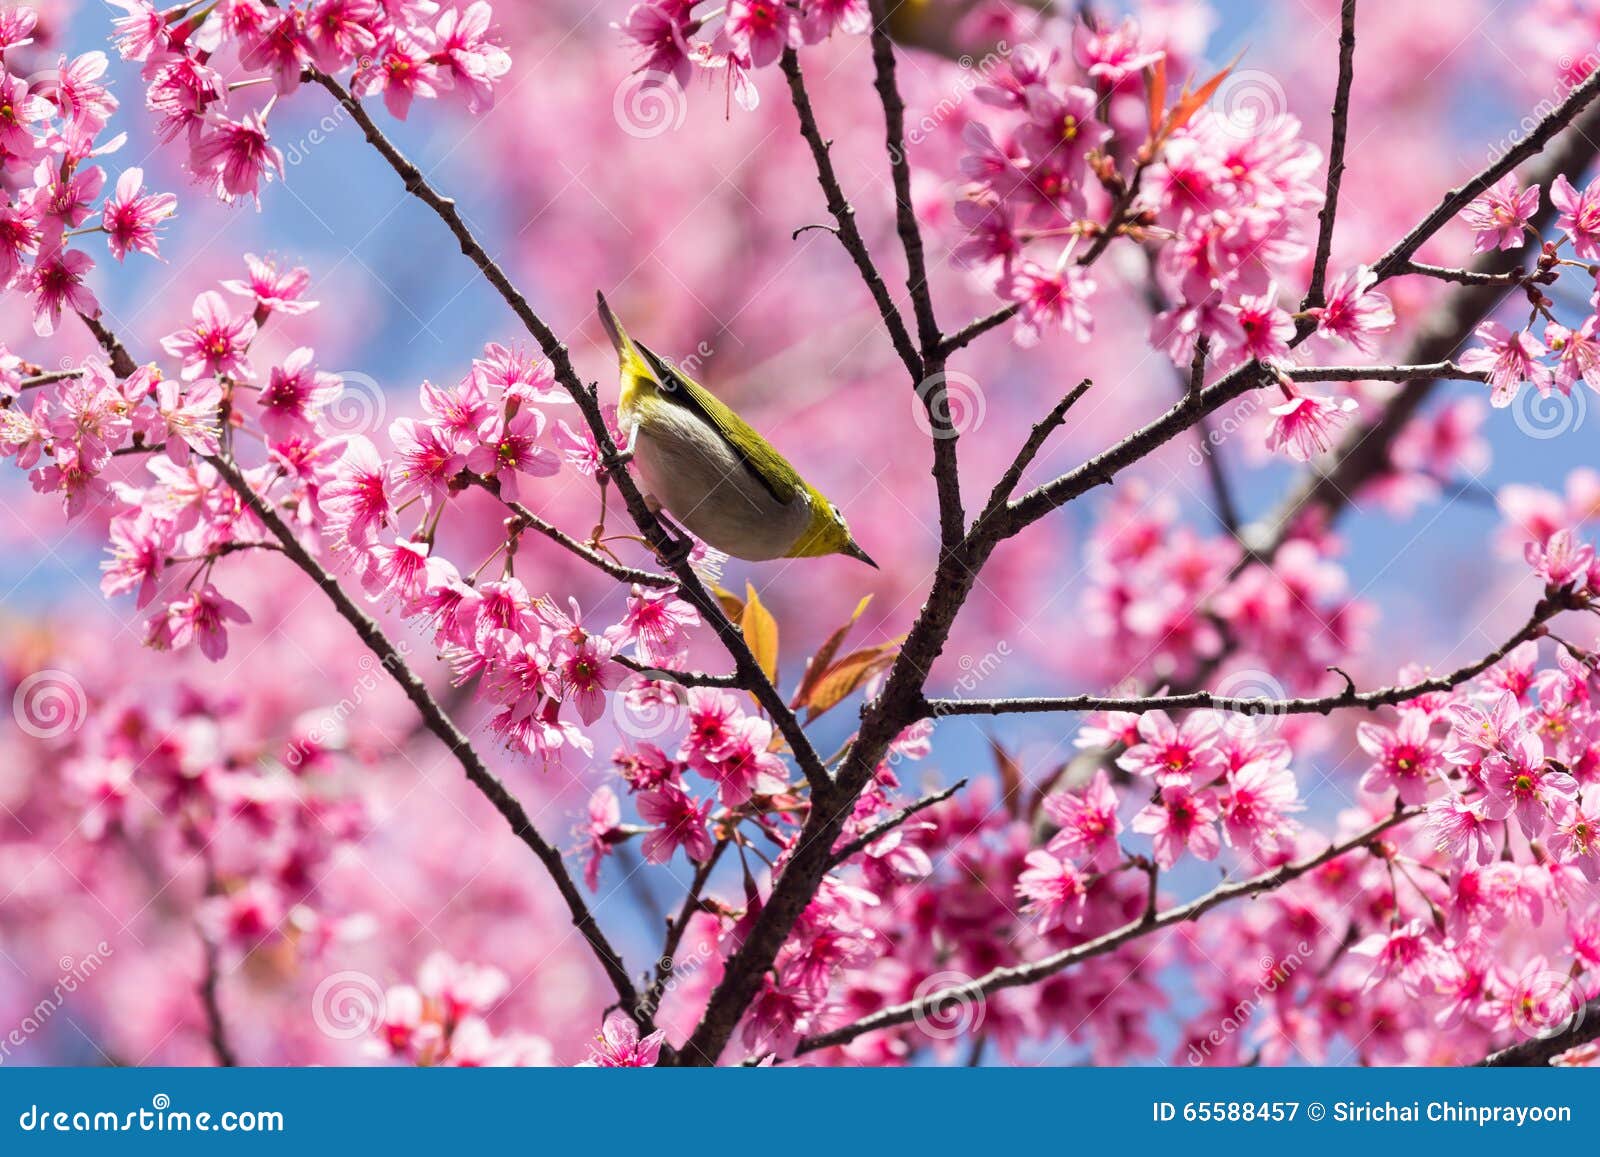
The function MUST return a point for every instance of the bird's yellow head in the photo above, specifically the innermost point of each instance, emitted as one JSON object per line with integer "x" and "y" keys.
{"x": 828, "y": 533}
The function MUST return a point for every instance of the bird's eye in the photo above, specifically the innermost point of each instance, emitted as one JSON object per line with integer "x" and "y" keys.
{"x": 837, "y": 517}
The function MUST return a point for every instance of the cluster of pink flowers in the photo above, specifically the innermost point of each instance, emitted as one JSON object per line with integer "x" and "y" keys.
{"x": 201, "y": 67}
{"x": 195, "y": 783}
{"x": 1500, "y": 219}
{"x": 1159, "y": 596}
{"x": 1228, "y": 207}
{"x": 50, "y": 134}
{"x": 440, "y": 1020}
{"x": 732, "y": 40}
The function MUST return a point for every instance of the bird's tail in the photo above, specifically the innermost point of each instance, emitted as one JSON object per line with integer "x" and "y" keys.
{"x": 619, "y": 336}
{"x": 636, "y": 371}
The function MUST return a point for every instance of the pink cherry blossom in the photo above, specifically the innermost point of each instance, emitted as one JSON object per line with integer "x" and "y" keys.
{"x": 1304, "y": 425}
{"x": 1355, "y": 311}
{"x": 1500, "y": 214}
{"x": 1509, "y": 360}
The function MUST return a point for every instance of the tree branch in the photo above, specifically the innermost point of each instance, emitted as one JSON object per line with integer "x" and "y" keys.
{"x": 1433, "y": 371}
{"x": 752, "y": 678}
{"x": 848, "y": 232}
{"x": 1037, "y": 437}
{"x": 894, "y": 119}
{"x": 1019, "y": 975}
{"x": 442, "y": 726}
{"x": 1546, "y": 609}
{"x": 875, "y": 833}
{"x": 1581, "y": 1028}
{"x": 527, "y": 519}
{"x": 1103, "y": 467}
{"x": 1341, "y": 124}
{"x": 1400, "y": 254}
{"x": 976, "y": 328}
{"x": 685, "y": 678}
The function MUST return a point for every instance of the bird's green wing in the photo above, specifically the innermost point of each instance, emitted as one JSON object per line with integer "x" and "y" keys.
{"x": 769, "y": 467}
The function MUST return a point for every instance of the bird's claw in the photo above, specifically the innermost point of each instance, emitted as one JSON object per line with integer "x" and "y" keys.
{"x": 675, "y": 552}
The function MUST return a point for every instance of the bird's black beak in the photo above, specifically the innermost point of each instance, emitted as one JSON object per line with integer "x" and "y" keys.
{"x": 855, "y": 551}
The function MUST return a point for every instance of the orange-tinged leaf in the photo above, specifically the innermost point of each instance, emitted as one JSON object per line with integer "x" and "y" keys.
{"x": 732, "y": 604}
{"x": 1192, "y": 102}
{"x": 1156, "y": 86}
{"x": 760, "y": 632}
{"x": 848, "y": 674}
{"x": 818, "y": 663}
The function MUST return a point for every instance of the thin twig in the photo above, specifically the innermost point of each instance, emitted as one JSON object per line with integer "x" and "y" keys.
{"x": 666, "y": 962}
{"x": 848, "y": 232}
{"x": 1322, "y": 705}
{"x": 976, "y": 328}
{"x": 527, "y": 519}
{"x": 1037, "y": 437}
{"x": 1341, "y": 124}
{"x": 211, "y": 1002}
{"x": 1508, "y": 277}
{"x": 685, "y": 678}
{"x": 1401, "y": 253}
{"x": 1445, "y": 370}
{"x": 875, "y": 833}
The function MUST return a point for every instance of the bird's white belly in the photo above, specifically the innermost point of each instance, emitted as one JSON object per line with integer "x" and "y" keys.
{"x": 707, "y": 488}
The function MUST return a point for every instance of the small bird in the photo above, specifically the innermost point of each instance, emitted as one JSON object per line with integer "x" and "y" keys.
{"x": 716, "y": 476}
